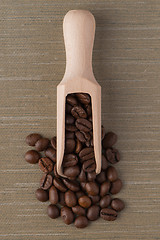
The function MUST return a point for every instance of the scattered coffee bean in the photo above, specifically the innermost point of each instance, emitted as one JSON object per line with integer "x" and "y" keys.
{"x": 42, "y": 195}
{"x": 70, "y": 198}
{"x": 53, "y": 195}
{"x": 91, "y": 176}
{"x": 104, "y": 189}
{"x": 72, "y": 185}
{"x": 46, "y": 181}
{"x": 51, "y": 153}
{"x": 72, "y": 171}
{"x": 109, "y": 140}
{"x": 67, "y": 215}
{"x": 53, "y": 211}
{"x": 86, "y": 154}
{"x": 62, "y": 198}
{"x": 112, "y": 155}
{"x": 42, "y": 144}
{"x": 104, "y": 163}
{"x": 116, "y": 186}
{"x": 32, "y": 138}
{"x": 81, "y": 222}
{"x": 82, "y": 176}
{"x": 89, "y": 165}
{"x": 70, "y": 160}
{"x": 92, "y": 188}
{"x": 105, "y": 201}
{"x": 95, "y": 199}
{"x": 101, "y": 177}
{"x": 46, "y": 165}
{"x": 78, "y": 210}
{"x": 117, "y": 204}
{"x": 93, "y": 212}
{"x": 108, "y": 214}
{"x": 84, "y": 201}
{"x": 80, "y": 194}
{"x": 32, "y": 156}
{"x": 112, "y": 174}
{"x": 59, "y": 184}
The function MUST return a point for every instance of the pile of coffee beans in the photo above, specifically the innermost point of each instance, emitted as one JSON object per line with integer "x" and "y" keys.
{"x": 82, "y": 196}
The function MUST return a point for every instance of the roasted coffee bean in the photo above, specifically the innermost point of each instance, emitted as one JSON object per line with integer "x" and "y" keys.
{"x": 95, "y": 199}
{"x": 46, "y": 181}
{"x": 81, "y": 222}
{"x": 32, "y": 156}
{"x": 70, "y": 198}
{"x": 32, "y": 138}
{"x": 71, "y": 127}
{"x": 67, "y": 215}
{"x": 78, "y": 112}
{"x": 53, "y": 195}
{"x": 71, "y": 100}
{"x": 72, "y": 185}
{"x": 78, "y": 210}
{"x": 102, "y": 132}
{"x": 42, "y": 144}
{"x": 83, "y": 124}
{"x": 86, "y": 154}
{"x": 70, "y": 145}
{"x": 89, "y": 165}
{"x": 68, "y": 108}
{"x": 83, "y": 185}
{"x": 51, "y": 153}
{"x": 69, "y": 119}
{"x": 83, "y": 136}
{"x": 104, "y": 163}
{"x": 42, "y": 195}
{"x": 116, "y": 186}
{"x": 54, "y": 143}
{"x": 108, "y": 214}
{"x": 88, "y": 143}
{"x": 93, "y": 213}
{"x": 53, "y": 211}
{"x": 78, "y": 146}
{"x": 84, "y": 98}
{"x": 69, "y": 135}
{"x": 117, "y": 204}
{"x": 111, "y": 174}
{"x": 101, "y": 177}
{"x": 82, "y": 176}
{"x": 62, "y": 198}
{"x": 80, "y": 194}
{"x": 88, "y": 109}
{"x": 109, "y": 140}
{"x": 105, "y": 201}
{"x": 72, "y": 171}
{"x": 112, "y": 155}
{"x": 91, "y": 176}
{"x": 92, "y": 188}
{"x": 70, "y": 160}
{"x": 104, "y": 189}
{"x": 45, "y": 164}
{"x": 59, "y": 184}
{"x": 84, "y": 201}
{"x": 55, "y": 171}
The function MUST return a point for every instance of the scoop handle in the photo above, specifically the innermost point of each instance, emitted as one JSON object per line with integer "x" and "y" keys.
{"x": 79, "y": 32}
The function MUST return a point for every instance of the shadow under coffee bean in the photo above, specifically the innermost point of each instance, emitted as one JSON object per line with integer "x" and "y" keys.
{"x": 82, "y": 196}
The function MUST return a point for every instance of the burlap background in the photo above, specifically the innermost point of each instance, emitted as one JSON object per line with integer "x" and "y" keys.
{"x": 126, "y": 63}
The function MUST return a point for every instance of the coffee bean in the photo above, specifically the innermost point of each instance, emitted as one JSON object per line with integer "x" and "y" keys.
{"x": 42, "y": 144}
{"x": 68, "y": 108}
{"x": 69, "y": 135}
{"x": 78, "y": 112}
{"x": 117, "y": 204}
{"x": 109, "y": 140}
{"x": 55, "y": 171}
{"x": 86, "y": 154}
{"x": 84, "y": 201}
{"x": 70, "y": 198}
{"x": 32, "y": 138}
{"x": 101, "y": 177}
{"x": 46, "y": 165}
{"x": 69, "y": 119}
{"x": 53, "y": 195}
{"x": 62, "y": 198}
{"x": 81, "y": 222}
{"x": 32, "y": 156}
{"x": 105, "y": 201}
{"x": 104, "y": 189}
{"x": 51, "y": 153}
{"x": 83, "y": 124}
{"x": 78, "y": 210}
{"x": 116, "y": 186}
{"x": 84, "y": 98}
{"x": 95, "y": 199}
{"x": 42, "y": 195}
{"x": 72, "y": 171}
{"x": 59, "y": 184}
{"x": 102, "y": 132}
{"x": 72, "y": 185}
{"x": 46, "y": 181}
{"x": 92, "y": 188}
{"x": 80, "y": 194}
{"x": 70, "y": 145}
{"x": 108, "y": 214}
{"x": 83, "y": 185}
{"x": 104, "y": 163}
{"x": 71, "y": 100}
{"x": 83, "y": 136}
{"x": 71, "y": 127}
{"x": 93, "y": 213}
{"x": 111, "y": 174}
{"x": 54, "y": 143}
{"x": 70, "y": 160}
{"x": 78, "y": 146}
{"x": 67, "y": 215}
{"x": 88, "y": 109}
{"x": 89, "y": 165}
{"x": 112, "y": 155}
{"x": 82, "y": 176}
{"x": 53, "y": 211}
{"x": 91, "y": 176}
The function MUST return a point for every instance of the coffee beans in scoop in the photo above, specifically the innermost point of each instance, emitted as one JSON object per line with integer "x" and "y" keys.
{"x": 83, "y": 196}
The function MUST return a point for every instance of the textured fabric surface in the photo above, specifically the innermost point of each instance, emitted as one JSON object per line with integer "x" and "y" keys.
{"x": 126, "y": 62}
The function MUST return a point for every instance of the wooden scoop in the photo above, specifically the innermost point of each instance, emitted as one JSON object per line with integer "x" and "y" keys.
{"x": 79, "y": 31}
